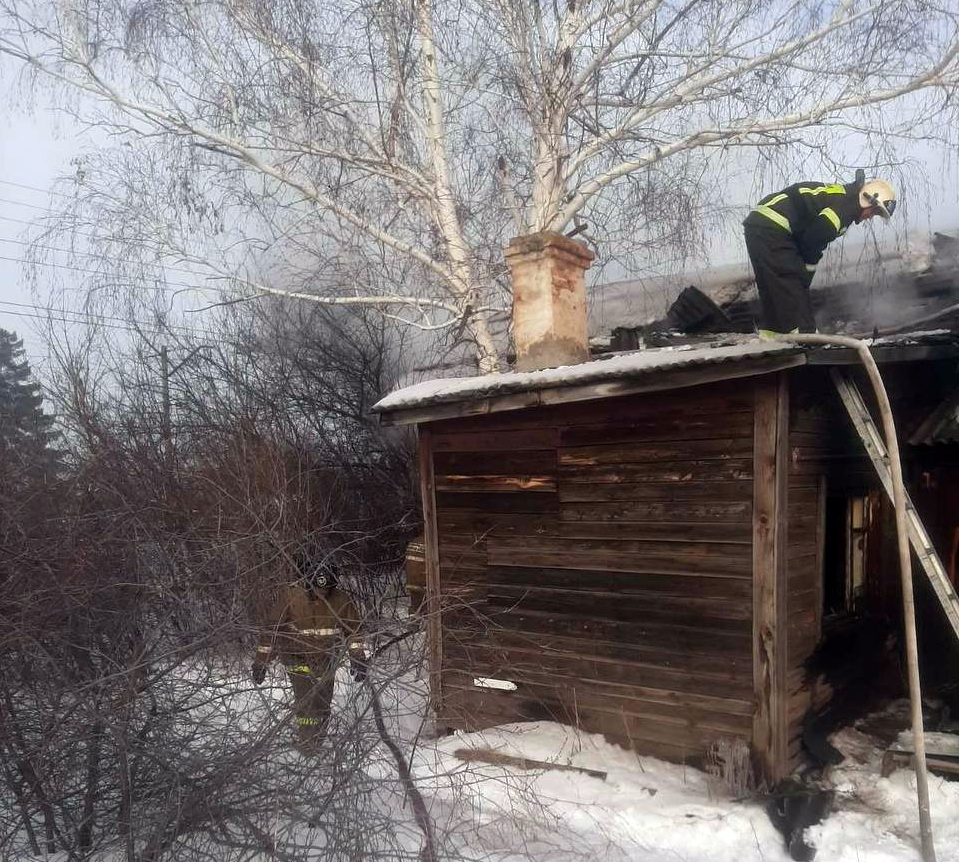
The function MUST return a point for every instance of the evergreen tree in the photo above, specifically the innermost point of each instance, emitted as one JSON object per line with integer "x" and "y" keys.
{"x": 27, "y": 436}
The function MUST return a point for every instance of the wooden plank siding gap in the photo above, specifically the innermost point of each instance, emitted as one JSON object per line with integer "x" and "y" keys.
{"x": 537, "y": 675}
{"x": 463, "y": 484}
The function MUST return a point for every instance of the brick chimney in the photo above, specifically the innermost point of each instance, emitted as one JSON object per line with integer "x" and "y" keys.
{"x": 549, "y": 300}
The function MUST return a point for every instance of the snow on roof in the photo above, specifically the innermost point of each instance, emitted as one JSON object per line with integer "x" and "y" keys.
{"x": 613, "y": 367}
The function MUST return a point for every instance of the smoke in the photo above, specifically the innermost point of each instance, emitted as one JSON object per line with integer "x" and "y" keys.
{"x": 864, "y": 287}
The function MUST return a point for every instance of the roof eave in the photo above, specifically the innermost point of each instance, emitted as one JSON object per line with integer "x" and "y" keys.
{"x": 649, "y": 381}
{"x": 884, "y": 354}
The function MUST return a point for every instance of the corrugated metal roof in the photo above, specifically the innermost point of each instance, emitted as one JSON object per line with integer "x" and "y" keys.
{"x": 622, "y": 366}
{"x": 942, "y": 425}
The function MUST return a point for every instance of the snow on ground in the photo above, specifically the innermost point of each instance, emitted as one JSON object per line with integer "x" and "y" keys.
{"x": 877, "y": 818}
{"x": 650, "y": 810}
{"x": 644, "y": 810}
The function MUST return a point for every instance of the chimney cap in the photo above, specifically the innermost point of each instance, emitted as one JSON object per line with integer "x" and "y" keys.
{"x": 532, "y": 243}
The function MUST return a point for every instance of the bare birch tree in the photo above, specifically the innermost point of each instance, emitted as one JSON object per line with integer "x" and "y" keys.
{"x": 379, "y": 154}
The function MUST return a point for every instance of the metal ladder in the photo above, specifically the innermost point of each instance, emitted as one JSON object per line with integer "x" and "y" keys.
{"x": 918, "y": 537}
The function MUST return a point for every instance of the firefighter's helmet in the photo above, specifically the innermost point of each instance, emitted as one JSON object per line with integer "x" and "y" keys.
{"x": 880, "y": 195}
{"x": 321, "y": 578}
{"x": 314, "y": 574}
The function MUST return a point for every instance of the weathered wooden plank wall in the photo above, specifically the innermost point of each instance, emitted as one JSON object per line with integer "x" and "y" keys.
{"x": 598, "y": 556}
{"x": 817, "y": 432}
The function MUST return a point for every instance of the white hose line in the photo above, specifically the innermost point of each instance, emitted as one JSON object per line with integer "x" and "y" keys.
{"x": 905, "y": 567}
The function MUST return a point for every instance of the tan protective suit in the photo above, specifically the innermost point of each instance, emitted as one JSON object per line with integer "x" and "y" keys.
{"x": 308, "y": 631}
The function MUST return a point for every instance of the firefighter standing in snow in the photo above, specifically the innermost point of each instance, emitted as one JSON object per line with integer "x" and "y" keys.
{"x": 309, "y": 625}
{"x": 787, "y": 233}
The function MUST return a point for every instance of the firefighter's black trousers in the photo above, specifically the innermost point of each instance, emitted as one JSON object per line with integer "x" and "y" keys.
{"x": 782, "y": 279}
{"x": 312, "y": 677}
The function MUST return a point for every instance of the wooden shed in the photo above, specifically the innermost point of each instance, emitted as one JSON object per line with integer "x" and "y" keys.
{"x": 637, "y": 544}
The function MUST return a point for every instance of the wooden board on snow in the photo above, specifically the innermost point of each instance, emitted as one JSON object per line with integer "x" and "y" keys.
{"x": 942, "y": 753}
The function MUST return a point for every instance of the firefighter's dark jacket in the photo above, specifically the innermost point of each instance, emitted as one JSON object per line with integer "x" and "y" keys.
{"x": 812, "y": 213}
{"x": 302, "y": 624}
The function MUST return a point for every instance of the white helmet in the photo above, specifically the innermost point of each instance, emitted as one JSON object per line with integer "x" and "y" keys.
{"x": 878, "y": 194}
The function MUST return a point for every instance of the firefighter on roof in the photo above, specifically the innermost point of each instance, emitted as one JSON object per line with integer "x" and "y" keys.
{"x": 309, "y": 626}
{"x": 787, "y": 233}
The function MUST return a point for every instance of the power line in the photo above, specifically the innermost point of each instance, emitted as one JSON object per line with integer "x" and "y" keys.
{"x": 90, "y": 254}
{"x": 33, "y": 188}
{"x": 81, "y": 318}
{"x": 133, "y": 242}
{"x": 25, "y": 204}
{"x": 169, "y": 286}
{"x": 87, "y": 254}
{"x": 135, "y": 326}
{"x": 76, "y": 322}
{"x": 168, "y": 328}
{"x": 184, "y": 286}
{"x": 150, "y": 329}
{"x": 131, "y": 329}
{"x": 79, "y": 269}
{"x": 30, "y": 223}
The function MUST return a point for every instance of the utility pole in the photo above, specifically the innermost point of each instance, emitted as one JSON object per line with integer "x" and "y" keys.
{"x": 166, "y": 420}
{"x": 166, "y": 428}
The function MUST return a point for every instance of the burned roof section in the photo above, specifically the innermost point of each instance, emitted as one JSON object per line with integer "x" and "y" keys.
{"x": 892, "y": 295}
{"x": 941, "y": 426}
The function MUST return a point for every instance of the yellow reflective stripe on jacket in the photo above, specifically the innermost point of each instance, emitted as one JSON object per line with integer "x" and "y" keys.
{"x": 773, "y": 216}
{"x": 773, "y": 201}
{"x": 299, "y": 668}
{"x": 306, "y": 721}
{"x": 318, "y": 632}
{"x": 824, "y": 190}
{"x": 810, "y": 267}
{"x": 830, "y": 214}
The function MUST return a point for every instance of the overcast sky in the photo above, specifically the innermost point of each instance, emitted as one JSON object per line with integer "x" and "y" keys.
{"x": 37, "y": 144}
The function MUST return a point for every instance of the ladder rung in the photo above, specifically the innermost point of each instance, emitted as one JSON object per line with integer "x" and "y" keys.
{"x": 918, "y": 537}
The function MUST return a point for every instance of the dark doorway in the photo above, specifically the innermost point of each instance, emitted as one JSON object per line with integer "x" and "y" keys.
{"x": 845, "y": 552}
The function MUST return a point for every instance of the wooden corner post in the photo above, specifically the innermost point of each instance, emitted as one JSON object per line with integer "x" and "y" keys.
{"x": 434, "y": 622}
{"x": 770, "y": 622}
